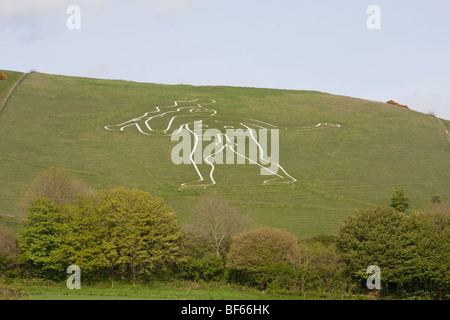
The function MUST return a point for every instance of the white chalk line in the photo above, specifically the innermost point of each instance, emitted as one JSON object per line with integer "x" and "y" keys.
{"x": 261, "y": 156}
{"x": 270, "y": 125}
{"x": 316, "y": 126}
{"x": 132, "y": 122}
{"x": 231, "y": 147}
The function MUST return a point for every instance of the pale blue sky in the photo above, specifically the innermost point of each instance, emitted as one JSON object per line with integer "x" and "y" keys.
{"x": 321, "y": 45}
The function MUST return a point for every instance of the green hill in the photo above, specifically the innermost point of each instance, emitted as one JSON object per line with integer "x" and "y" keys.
{"x": 59, "y": 121}
{"x": 7, "y": 85}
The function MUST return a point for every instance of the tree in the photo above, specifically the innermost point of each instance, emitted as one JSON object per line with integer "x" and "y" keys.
{"x": 321, "y": 267}
{"x": 254, "y": 252}
{"x": 41, "y": 234}
{"x": 217, "y": 223}
{"x": 121, "y": 231}
{"x": 433, "y": 261}
{"x": 8, "y": 245}
{"x": 57, "y": 186}
{"x": 381, "y": 237}
{"x": 412, "y": 251}
{"x": 141, "y": 234}
{"x": 399, "y": 199}
{"x": 436, "y": 198}
{"x": 81, "y": 242}
{"x": 8, "y": 251}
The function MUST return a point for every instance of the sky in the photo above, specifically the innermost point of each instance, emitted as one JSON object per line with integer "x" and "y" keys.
{"x": 399, "y": 51}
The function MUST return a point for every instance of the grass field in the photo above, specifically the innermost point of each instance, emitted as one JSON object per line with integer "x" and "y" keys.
{"x": 161, "y": 291}
{"x": 143, "y": 292}
{"x": 6, "y": 85}
{"x": 58, "y": 121}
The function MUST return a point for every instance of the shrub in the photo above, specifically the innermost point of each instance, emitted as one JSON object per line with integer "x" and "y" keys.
{"x": 412, "y": 251}
{"x": 315, "y": 266}
{"x": 399, "y": 199}
{"x": 281, "y": 277}
{"x": 209, "y": 268}
{"x": 321, "y": 267}
{"x": 253, "y": 253}
{"x": 432, "y": 263}
{"x": 379, "y": 237}
{"x": 436, "y": 198}
{"x": 8, "y": 252}
{"x": 56, "y": 185}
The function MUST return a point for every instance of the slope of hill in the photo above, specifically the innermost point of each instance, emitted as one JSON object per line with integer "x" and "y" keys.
{"x": 58, "y": 121}
{"x": 7, "y": 85}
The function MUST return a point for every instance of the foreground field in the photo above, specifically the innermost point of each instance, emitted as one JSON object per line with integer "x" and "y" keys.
{"x": 56, "y": 121}
{"x": 166, "y": 291}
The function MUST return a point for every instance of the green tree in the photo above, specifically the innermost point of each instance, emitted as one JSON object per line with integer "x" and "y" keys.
{"x": 142, "y": 234}
{"x": 399, "y": 199}
{"x": 253, "y": 253}
{"x": 81, "y": 243}
{"x": 321, "y": 267}
{"x": 126, "y": 232}
{"x": 41, "y": 234}
{"x": 436, "y": 198}
{"x": 412, "y": 251}
{"x": 210, "y": 267}
{"x": 432, "y": 264}
{"x": 381, "y": 237}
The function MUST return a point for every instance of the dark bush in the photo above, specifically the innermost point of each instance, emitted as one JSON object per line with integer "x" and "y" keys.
{"x": 209, "y": 268}
{"x": 255, "y": 252}
{"x": 8, "y": 253}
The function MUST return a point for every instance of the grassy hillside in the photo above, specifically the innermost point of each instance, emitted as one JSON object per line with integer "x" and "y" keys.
{"x": 57, "y": 121}
{"x": 6, "y": 85}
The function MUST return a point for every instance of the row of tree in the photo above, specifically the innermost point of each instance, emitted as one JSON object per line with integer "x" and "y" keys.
{"x": 118, "y": 232}
{"x": 131, "y": 235}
